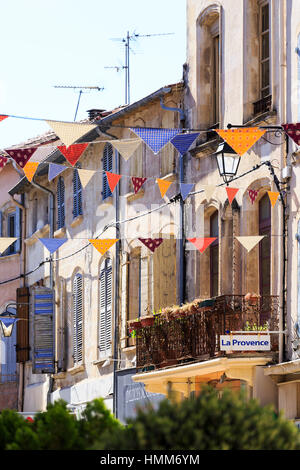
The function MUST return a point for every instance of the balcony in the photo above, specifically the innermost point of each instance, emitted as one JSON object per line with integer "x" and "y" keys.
{"x": 263, "y": 105}
{"x": 182, "y": 335}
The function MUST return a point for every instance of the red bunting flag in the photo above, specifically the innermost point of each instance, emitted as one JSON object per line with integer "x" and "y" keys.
{"x": 231, "y": 192}
{"x": 202, "y": 243}
{"x": 2, "y": 117}
{"x": 293, "y": 131}
{"x": 73, "y": 152}
{"x": 137, "y": 183}
{"x": 253, "y": 195}
{"x": 151, "y": 243}
{"x": 21, "y": 156}
{"x": 113, "y": 180}
{"x": 3, "y": 161}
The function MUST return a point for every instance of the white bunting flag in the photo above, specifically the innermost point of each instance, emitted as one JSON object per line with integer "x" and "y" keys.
{"x": 69, "y": 132}
{"x": 250, "y": 242}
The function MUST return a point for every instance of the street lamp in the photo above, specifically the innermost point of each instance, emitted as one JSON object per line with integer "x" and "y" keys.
{"x": 228, "y": 162}
{"x": 7, "y": 325}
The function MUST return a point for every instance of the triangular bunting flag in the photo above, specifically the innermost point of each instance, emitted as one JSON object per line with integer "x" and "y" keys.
{"x": 252, "y": 195}
{"x": 182, "y": 142}
{"x": 163, "y": 186}
{"x": 2, "y": 117}
{"x": 3, "y": 161}
{"x": 52, "y": 244}
{"x": 73, "y": 152}
{"x": 7, "y": 325}
{"x": 69, "y": 132}
{"x": 126, "y": 147}
{"x": 273, "y": 195}
{"x": 185, "y": 189}
{"x": 250, "y": 242}
{"x": 201, "y": 243}
{"x": 113, "y": 180}
{"x": 156, "y": 139}
{"x": 5, "y": 242}
{"x": 137, "y": 183}
{"x": 231, "y": 192}
{"x": 30, "y": 169}
{"x": 21, "y": 156}
{"x": 242, "y": 139}
{"x": 85, "y": 176}
{"x": 209, "y": 189}
{"x": 151, "y": 243}
{"x": 293, "y": 131}
{"x": 103, "y": 245}
{"x": 55, "y": 170}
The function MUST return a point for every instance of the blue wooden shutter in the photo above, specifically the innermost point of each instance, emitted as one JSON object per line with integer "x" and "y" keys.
{"x": 18, "y": 222}
{"x": 77, "y": 319}
{"x": 105, "y": 310}
{"x": 77, "y": 195}
{"x": 43, "y": 313}
{"x": 60, "y": 203}
{"x": 107, "y": 166}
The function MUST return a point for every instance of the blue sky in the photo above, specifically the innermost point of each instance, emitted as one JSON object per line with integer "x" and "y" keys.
{"x": 68, "y": 42}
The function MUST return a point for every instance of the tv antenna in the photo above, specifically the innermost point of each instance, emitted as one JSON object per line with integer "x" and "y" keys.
{"x": 80, "y": 88}
{"x": 129, "y": 37}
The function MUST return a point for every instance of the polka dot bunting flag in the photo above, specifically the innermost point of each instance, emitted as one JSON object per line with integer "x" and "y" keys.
{"x": 151, "y": 243}
{"x": 242, "y": 139}
{"x": 137, "y": 183}
{"x": 21, "y": 156}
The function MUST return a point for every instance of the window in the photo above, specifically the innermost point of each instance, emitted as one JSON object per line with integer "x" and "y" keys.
{"x": 264, "y": 50}
{"x": 77, "y": 319}
{"x": 214, "y": 255}
{"x": 105, "y": 309}
{"x": 10, "y": 226}
{"x": 77, "y": 195}
{"x": 265, "y": 245}
{"x": 216, "y": 82}
{"x": 107, "y": 166}
{"x": 34, "y": 214}
{"x": 134, "y": 288}
{"x": 60, "y": 203}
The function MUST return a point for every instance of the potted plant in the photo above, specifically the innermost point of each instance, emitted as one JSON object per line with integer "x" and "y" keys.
{"x": 252, "y": 298}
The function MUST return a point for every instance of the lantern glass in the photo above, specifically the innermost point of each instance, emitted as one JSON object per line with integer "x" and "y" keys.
{"x": 228, "y": 161}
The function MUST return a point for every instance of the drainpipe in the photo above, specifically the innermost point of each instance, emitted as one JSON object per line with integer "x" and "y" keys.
{"x": 117, "y": 275}
{"x": 182, "y": 290}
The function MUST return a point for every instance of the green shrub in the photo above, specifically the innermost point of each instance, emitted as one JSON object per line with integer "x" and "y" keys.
{"x": 206, "y": 423}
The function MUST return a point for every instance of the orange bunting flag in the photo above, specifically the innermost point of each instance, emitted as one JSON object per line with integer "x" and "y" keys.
{"x": 113, "y": 180}
{"x": 30, "y": 169}
{"x": 103, "y": 245}
{"x": 2, "y": 117}
{"x": 242, "y": 139}
{"x": 273, "y": 195}
{"x": 231, "y": 192}
{"x": 202, "y": 243}
{"x": 73, "y": 152}
{"x": 163, "y": 186}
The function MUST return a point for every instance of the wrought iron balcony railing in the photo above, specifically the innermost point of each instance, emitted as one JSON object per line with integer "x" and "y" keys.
{"x": 195, "y": 334}
{"x": 263, "y": 105}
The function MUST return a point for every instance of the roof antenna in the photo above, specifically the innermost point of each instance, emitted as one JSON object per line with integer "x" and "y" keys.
{"x": 80, "y": 88}
{"x": 126, "y": 67}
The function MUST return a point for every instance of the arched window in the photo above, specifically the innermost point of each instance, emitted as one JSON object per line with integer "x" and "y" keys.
{"x": 77, "y": 195}
{"x": 105, "y": 309}
{"x": 265, "y": 246}
{"x": 60, "y": 203}
{"x": 214, "y": 255}
{"x": 77, "y": 318}
{"x": 107, "y": 166}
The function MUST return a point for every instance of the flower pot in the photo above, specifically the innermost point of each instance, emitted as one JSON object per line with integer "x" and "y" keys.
{"x": 147, "y": 321}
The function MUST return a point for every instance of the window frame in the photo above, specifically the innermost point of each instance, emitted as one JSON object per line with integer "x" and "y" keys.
{"x": 60, "y": 197}
{"x": 214, "y": 248}
{"x": 105, "y": 311}
{"x": 77, "y": 319}
{"x": 77, "y": 194}
{"x": 262, "y": 60}
{"x": 265, "y": 227}
{"x": 108, "y": 153}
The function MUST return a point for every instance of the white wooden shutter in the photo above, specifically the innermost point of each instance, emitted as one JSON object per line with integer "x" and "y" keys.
{"x": 77, "y": 319}
{"x": 105, "y": 310}
{"x": 42, "y": 310}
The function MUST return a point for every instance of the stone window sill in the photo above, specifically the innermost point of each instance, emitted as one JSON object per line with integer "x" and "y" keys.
{"x": 106, "y": 203}
{"x": 60, "y": 375}
{"x": 170, "y": 177}
{"x": 38, "y": 234}
{"x": 133, "y": 197}
{"x": 76, "y": 369}
{"x": 77, "y": 221}
{"x": 61, "y": 232}
{"x": 11, "y": 256}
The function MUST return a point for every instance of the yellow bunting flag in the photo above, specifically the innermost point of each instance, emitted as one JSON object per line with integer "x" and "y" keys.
{"x": 103, "y": 245}
{"x": 242, "y": 139}
{"x": 5, "y": 242}
{"x": 70, "y": 132}
{"x": 85, "y": 176}
{"x": 163, "y": 186}
{"x": 30, "y": 169}
{"x": 209, "y": 189}
{"x": 250, "y": 242}
{"x": 126, "y": 147}
{"x": 273, "y": 195}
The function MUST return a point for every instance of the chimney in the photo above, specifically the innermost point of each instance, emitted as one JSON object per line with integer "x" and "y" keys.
{"x": 95, "y": 113}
